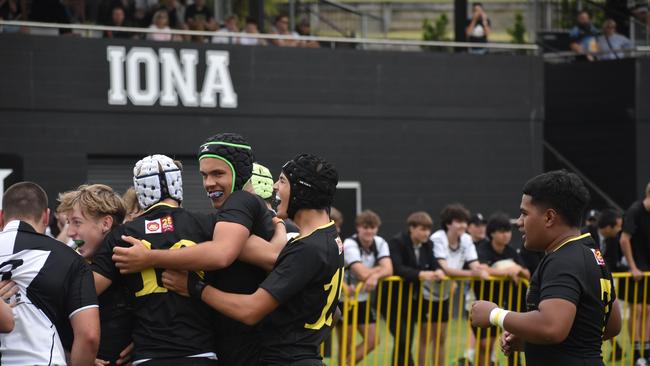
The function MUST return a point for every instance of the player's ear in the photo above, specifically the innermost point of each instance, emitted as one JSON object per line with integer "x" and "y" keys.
{"x": 107, "y": 223}
{"x": 45, "y": 219}
{"x": 550, "y": 215}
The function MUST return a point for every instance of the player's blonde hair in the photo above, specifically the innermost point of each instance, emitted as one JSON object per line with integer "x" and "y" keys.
{"x": 95, "y": 201}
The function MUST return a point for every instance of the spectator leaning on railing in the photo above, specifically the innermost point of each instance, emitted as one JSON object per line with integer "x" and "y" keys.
{"x": 613, "y": 43}
{"x": 583, "y": 36}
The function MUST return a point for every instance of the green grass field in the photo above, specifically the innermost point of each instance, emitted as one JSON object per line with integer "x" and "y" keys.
{"x": 457, "y": 340}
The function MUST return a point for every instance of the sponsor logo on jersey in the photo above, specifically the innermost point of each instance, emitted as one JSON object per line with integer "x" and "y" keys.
{"x": 339, "y": 243}
{"x": 167, "y": 224}
{"x": 152, "y": 227}
{"x": 599, "y": 257}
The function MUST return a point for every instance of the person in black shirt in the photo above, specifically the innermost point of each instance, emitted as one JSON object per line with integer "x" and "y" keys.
{"x": 225, "y": 162}
{"x": 297, "y": 301}
{"x": 571, "y": 301}
{"x": 478, "y": 28}
{"x": 635, "y": 244}
{"x": 92, "y": 211}
{"x": 169, "y": 329}
{"x": 411, "y": 253}
{"x": 502, "y": 261}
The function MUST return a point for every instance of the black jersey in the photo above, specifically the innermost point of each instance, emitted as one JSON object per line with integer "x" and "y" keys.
{"x": 116, "y": 320}
{"x": 54, "y": 282}
{"x": 167, "y": 325}
{"x": 576, "y": 273}
{"x": 636, "y": 223}
{"x": 306, "y": 281}
{"x": 238, "y": 343}
{"x": 493, "y": 291}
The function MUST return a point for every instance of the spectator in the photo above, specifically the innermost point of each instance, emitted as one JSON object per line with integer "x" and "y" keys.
{"x": 281, "y": 25}
{"x": 635, "y": 244}
{"x": 143, "y": 11}
{"x": 337, "y": 217}
{"x": 411, "y": 252}
{"x": 49, "y": 11}
{"x": 501, "y": 260}
{"x": 479, "y": 28}
{"x": 583, "y": 37}
{"x": 117, "y": 20}
{"x": 454, "y": 250}
{"x": 160, "y": 22}
{"x": 304, "y": 29}
{"x": 476, "y": 227}
{"x": 199, "y": 17}
{"x": 368, "y": 259}
{"x": 104, "y": 11}
{"x": 251, "y": 27}
{"x": 11, "y": 10}
{"x": 612, "y": 42}
{"x": 230, "y": 26}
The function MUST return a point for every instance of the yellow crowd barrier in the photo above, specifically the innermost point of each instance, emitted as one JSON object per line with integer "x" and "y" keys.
{"x": 414, "y": 332}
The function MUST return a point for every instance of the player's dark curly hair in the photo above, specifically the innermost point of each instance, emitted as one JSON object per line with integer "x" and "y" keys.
{"x": 235, "y": 150}
{"x": 452, "y": 212}
{"x": 561, "y": 191}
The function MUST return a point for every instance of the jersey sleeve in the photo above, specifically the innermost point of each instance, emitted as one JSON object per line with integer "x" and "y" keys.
{"x": 103, "y": 258}
{"x": 351, "y": 252}
{"x": 80, "y": 294}
{"x": 440, "y": 249}
{"x": 240, "y": 208}
{"x": 560, "y": 280}
{"x": 296, "y": 267}
{"x": 629, "y": 221}
{"x": 382, "y": 248}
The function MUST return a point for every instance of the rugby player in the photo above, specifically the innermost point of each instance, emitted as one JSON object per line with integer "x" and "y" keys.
{"x": 571, "y": 302}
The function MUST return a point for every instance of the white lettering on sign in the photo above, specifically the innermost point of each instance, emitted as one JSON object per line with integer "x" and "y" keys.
{"x": 165, "y": 78}
{"x": 4, "y": 173}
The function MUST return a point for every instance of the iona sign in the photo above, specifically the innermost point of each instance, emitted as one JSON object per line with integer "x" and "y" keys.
{"x": 143, "y": 77}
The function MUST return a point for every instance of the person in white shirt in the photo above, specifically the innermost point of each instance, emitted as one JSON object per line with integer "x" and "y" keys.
{"x": 367, "y": 259}
{"x": 454, "y": 249}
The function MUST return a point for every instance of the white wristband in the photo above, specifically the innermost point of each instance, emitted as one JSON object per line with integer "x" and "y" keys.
{"x": 497, "y": 316}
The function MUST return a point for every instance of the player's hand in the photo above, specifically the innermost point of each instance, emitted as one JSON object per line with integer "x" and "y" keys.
{"x": 8, "y": 289}
{"x": 480, "y": 313}
{"x": 99, "y": 362}
{"x": 439, "y": 275}
{"x": 636, "y": 274}
{"x": 176, "y": 281}
{"x": 510, "y": 343}
{"x": 125, "y": 355}
{"x": 133, "y": 259}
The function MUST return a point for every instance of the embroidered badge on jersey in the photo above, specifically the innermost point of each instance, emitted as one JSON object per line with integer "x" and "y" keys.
{"x": 599, "y": 257}
{"x": 167, "y": 224}
{"x": 153, "y": 226}
{"x": 340, "y": 244}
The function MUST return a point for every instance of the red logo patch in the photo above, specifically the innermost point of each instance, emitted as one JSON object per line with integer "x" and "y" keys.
{"x": 153, "y": 226}
{"x": 167, "y": 224}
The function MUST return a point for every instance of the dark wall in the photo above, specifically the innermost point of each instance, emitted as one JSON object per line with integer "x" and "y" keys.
{"x": 591, "y": 120}
{"x": 418, "y": 130}
{"x": 643, "y": 124}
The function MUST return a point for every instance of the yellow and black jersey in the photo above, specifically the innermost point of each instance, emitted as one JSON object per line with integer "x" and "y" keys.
{"x": 306, "y": 281}
{"x": 577, "y": 273}
{"x": 167, "y": 325}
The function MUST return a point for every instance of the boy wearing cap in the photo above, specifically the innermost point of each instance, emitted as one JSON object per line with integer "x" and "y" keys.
{"x": 298, "y": 299}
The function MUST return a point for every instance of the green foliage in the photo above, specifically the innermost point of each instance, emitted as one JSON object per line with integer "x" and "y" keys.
{"x": 435, "y": 31}
{"x": 518, "y": 31}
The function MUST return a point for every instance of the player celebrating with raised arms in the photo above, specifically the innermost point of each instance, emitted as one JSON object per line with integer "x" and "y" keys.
{"x": 296, "y": 302}
{"x": 571, "y": 301}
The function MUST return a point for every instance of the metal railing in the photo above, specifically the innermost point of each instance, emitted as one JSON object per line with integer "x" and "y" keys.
{"x": 87, "y": 30}
{"x": 390, "y": 303}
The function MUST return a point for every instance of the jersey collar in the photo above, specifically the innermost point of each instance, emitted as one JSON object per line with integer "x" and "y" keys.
{"x": 159, "y": 204}
{"x": 570, "y": 240}
{"x": 318, "y": 228}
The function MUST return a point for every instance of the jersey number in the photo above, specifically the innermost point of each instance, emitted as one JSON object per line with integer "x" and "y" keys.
{"x": 334, "y": 288}
{"x": 150, "y": 282}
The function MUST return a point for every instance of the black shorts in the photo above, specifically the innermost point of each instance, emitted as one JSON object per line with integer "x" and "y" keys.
{"x": 435, "y": 311}
{"x": 362, "y": 307}
{"x": 182, "y": 361}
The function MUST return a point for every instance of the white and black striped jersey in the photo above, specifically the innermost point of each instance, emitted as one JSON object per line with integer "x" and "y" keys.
{"x": 54, "y": 282}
